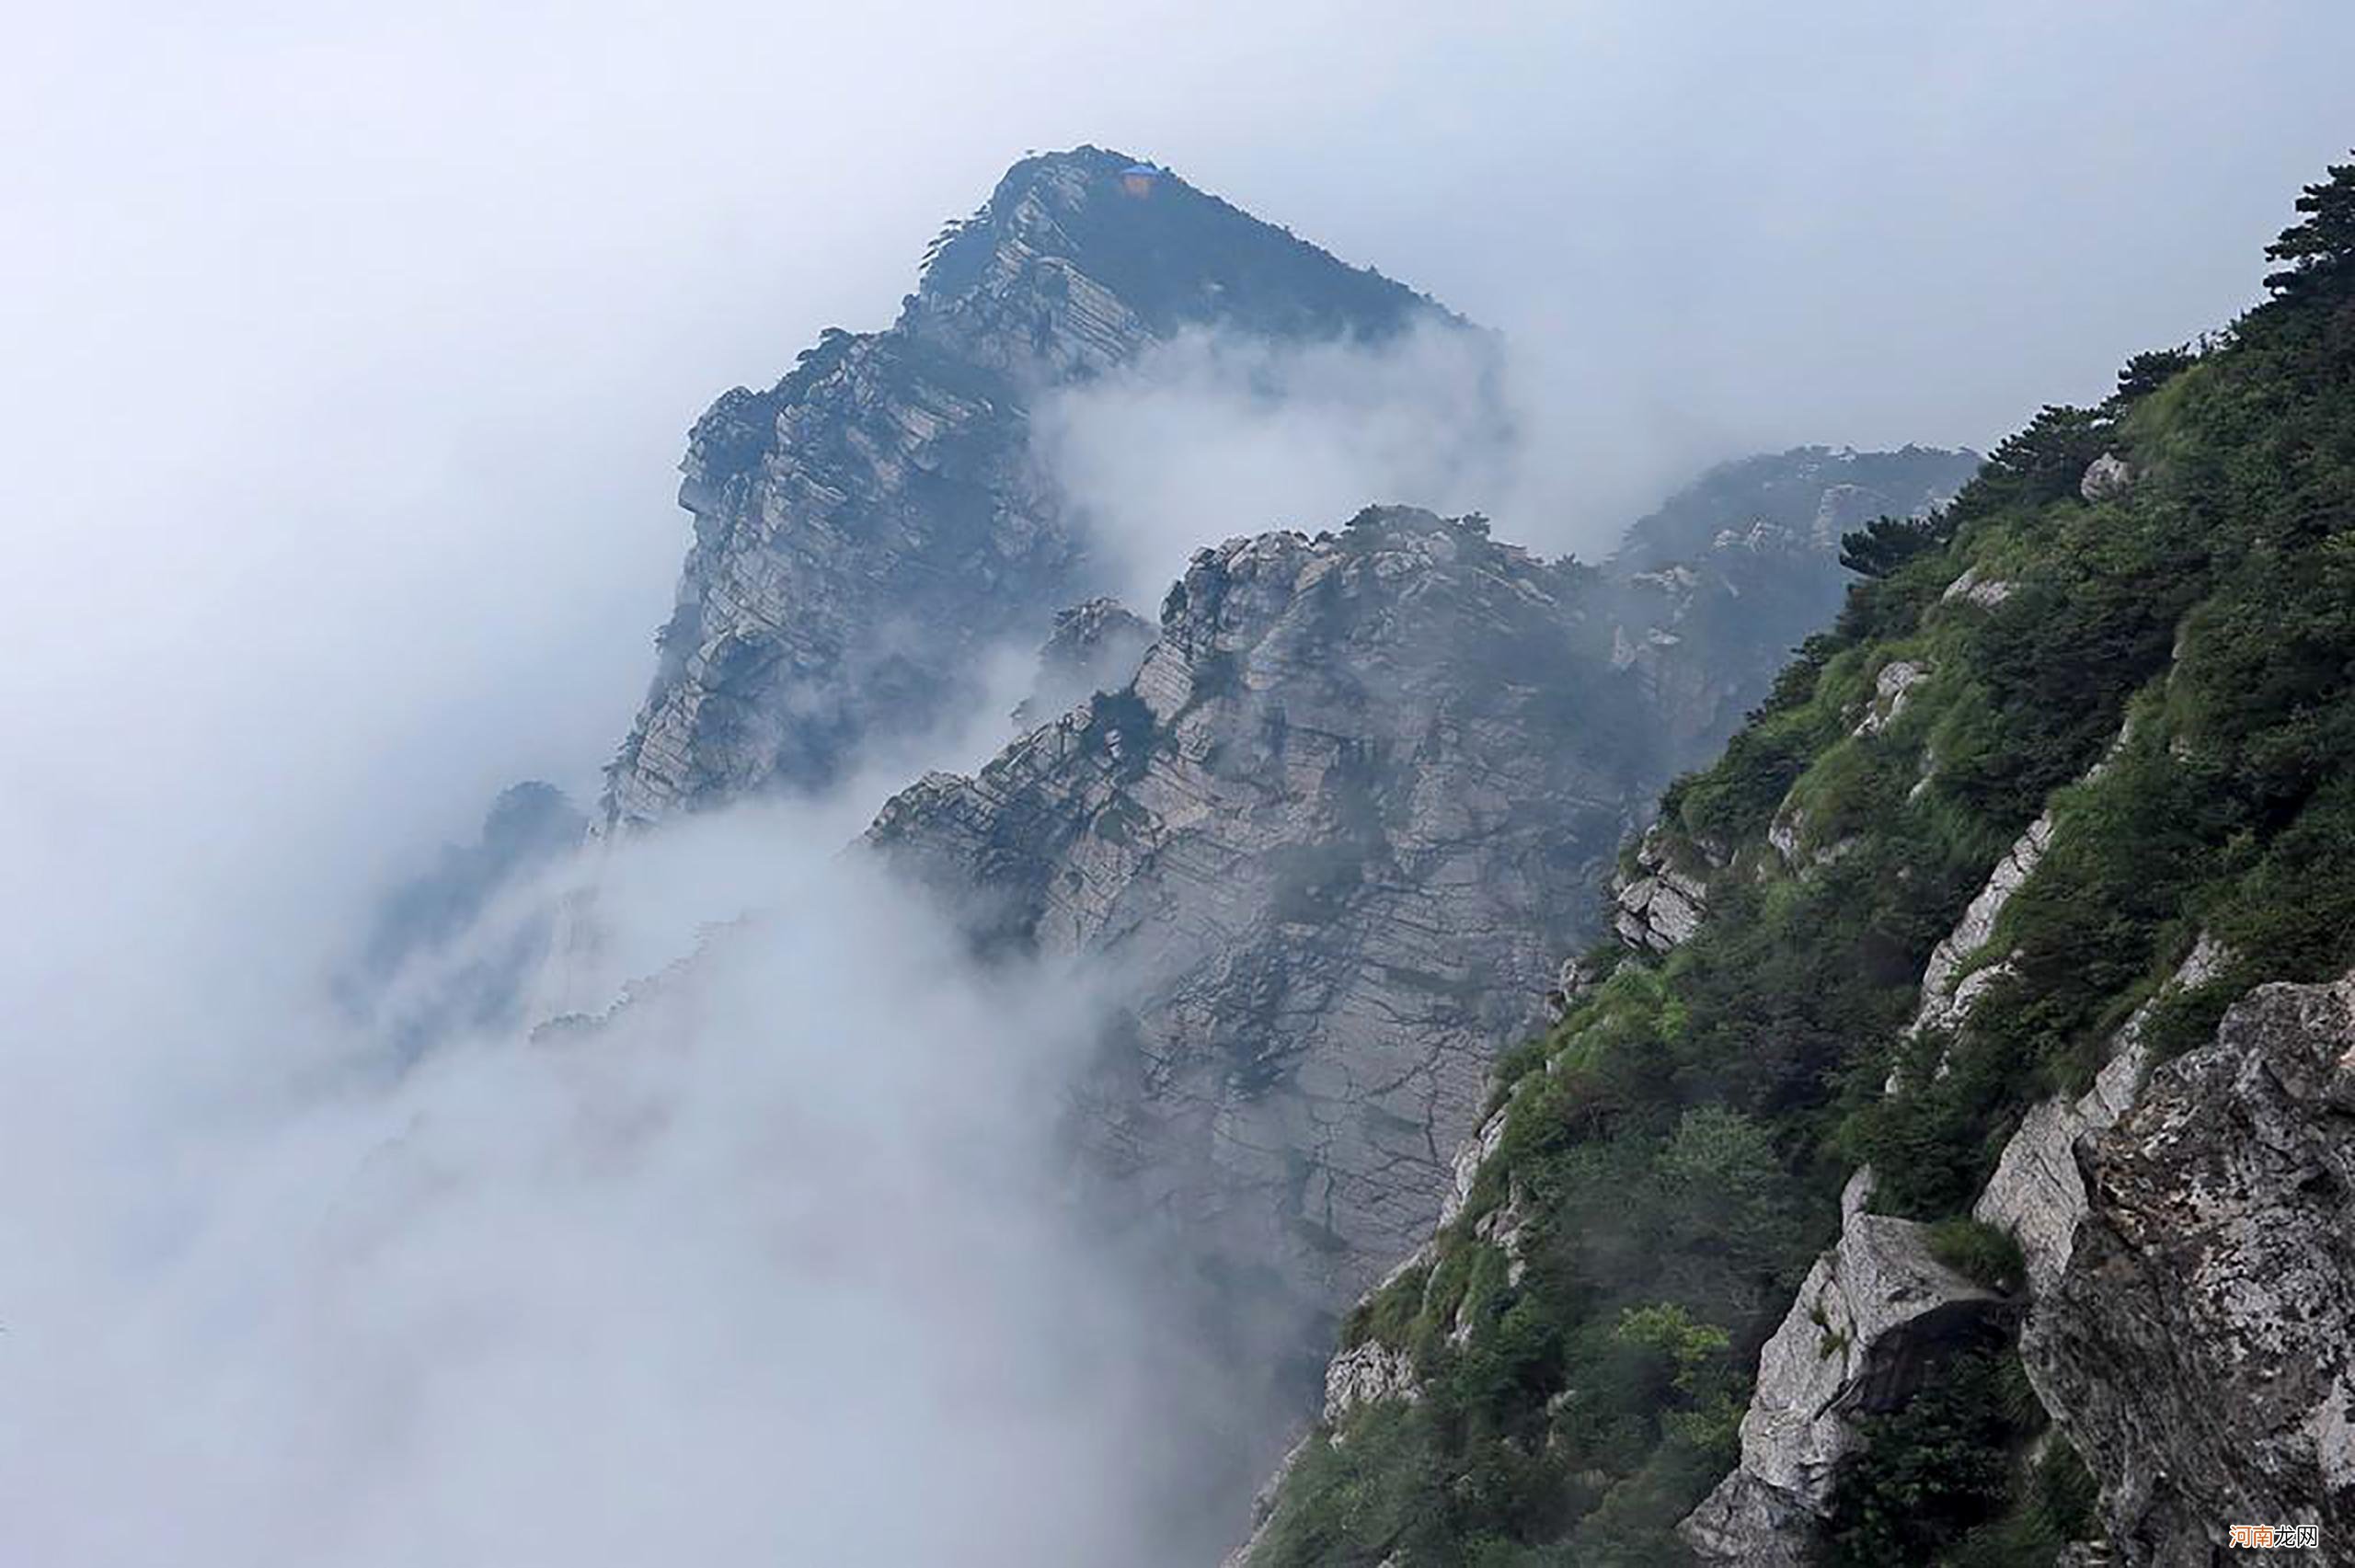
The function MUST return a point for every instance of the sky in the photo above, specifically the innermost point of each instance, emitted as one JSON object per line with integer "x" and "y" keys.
{"x": 328, "y": 320}
{"x": 346, "y": 356}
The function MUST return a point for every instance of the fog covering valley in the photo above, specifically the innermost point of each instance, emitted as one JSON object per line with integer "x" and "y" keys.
{"x": 379, "y": 1319}
{"x": 349, "y": 361}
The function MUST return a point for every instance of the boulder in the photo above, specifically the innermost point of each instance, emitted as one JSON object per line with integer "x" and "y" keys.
{"x": 1659, "y": 906}
{"x": 1871, "y": 1322}
{"x": 2107, "y": 475}
{"x": 1891, "y": 687}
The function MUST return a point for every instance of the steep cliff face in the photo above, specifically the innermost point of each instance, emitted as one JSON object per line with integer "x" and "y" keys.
{"x": 1335, "y": 832}
{"x": 1950, "y": 925}
{"x": 2197, "y": 1344}
{"x": 865, "y": 526}
{"x": 1345, "y": 819}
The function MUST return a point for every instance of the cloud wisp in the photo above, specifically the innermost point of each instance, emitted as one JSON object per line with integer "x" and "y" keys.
{"x": 1211, "y": 435}
{"x": 774, "y": 1262}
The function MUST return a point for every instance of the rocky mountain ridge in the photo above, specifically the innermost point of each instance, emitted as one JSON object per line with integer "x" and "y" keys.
{"x": 1336, "y": 822}
{"x": 1343, "y": 821}
{"x": 867, "y": 527}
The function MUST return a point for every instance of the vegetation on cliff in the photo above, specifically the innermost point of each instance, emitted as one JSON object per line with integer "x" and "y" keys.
{"x": 2138, "y": 618}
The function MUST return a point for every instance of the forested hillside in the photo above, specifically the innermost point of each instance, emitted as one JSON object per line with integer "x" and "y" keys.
{"x": 2073, "y": 772}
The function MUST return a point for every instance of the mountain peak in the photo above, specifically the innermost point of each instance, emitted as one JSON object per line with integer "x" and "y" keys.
{"x": 874, "y": 521}
{"x": 1170, "y": 254}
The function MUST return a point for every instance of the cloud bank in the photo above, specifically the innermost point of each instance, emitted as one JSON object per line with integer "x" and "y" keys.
{"x": 772, "y": 1263}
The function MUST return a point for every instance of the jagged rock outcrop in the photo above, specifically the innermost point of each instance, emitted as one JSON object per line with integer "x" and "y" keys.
{"x": 1870, "y": 1322}
{"x": 1571, "y": 983}
{"x": 1095, "y": 646}
{"x": 2107, "y": 476}
{"x": 1657, "y": 907}
{"x": 1465, "y": 1170}
{"x": 1948, "y": 989}
{"x": 1957, "y": 974}
{"x": 2196, "y": 1344}
{"x": 869, "y": 524}
{"x": 1339, "y": 826}
{"x": 1972, "y": 588}
{"x": 1891, "y": 687}
{"x": 1364, "y": 1373}
{"x": 2037, "y": 1193}
{"x": 1812, "y": 492}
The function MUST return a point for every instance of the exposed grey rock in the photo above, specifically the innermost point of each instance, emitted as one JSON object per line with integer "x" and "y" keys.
{"x": 1464, "y": 1168}
{"x": 1095, "y": 646}
{"x": 1659, "y": 906}
{"x": 1813, "y": 493}
{"x": 1957, "y": 975}
{"x": 867, "y": 526}
{"x": 1263, "y": 1505}
{"x": 1749, "y": 1522}
{"x": 2108, "y": 475}
{"x": 2036, "y": 1192}
{"x": 1973, "y": 590}
{"x": 1891, "y": 687}
{"x": 2196, "y": 1346}
{"x": 1571, "y": 983}
{"x": 1787, "y": 835}
{"x": 1874, "y": 1316}
{"x": 1504, "y": 1227}
{"x": 1364, "y": 1374}
{"x": 2208, "y": 959}
{"x": 1948, "y": 993}
{"x": 1337, "y": 830}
